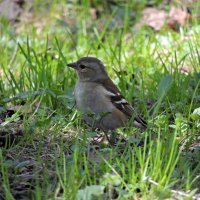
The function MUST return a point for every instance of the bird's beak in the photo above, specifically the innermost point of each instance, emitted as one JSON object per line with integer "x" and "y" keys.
{"x": 72, "y": 65}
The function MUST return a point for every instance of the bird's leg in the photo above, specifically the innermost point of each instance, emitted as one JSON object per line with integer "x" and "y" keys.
{"x": 112, "y": 137}
{"x": 107, "y": 137}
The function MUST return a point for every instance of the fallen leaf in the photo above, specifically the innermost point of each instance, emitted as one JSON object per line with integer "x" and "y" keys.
{"x": 10, "y": 10}
{"x": 94, "y": 13}
{"x": 186, "y": 69}
{"x": 156, "y": 18}
{"x": 153, "y": 17}
{"x": 178, "y": 17}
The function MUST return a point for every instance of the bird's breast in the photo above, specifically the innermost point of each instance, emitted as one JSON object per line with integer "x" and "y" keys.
{"x": 92, "y": 97}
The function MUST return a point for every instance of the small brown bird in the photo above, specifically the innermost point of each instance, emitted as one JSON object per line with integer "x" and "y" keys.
{"x": 98, "y": 98}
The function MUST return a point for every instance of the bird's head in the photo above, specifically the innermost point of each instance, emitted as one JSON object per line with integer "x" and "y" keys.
{"x": 89, "y": 69}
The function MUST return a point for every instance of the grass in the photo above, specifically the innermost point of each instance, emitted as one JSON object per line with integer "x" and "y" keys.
{"x": 51, "y": 155}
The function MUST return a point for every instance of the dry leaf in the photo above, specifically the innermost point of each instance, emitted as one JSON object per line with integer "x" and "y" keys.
{"x": 10, "y": 10}
{"x": 153, "y": 17}
{"x": 93, "y": 13}
{"x": 156, "y": 18}
{"x": 186, "y": 69}
{"x": 177, "y": 16}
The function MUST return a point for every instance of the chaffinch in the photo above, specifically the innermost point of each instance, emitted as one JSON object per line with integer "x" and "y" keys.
{"x": 99, "y": 99}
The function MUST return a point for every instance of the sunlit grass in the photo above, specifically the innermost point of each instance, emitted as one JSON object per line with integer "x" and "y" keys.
{"x": 55, "y": 147}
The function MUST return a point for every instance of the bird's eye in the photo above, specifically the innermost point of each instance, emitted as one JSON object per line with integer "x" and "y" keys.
{"x": 82, "y": 66}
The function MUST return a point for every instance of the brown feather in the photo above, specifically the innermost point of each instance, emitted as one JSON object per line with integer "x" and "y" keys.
{"x": 124, "y": 107}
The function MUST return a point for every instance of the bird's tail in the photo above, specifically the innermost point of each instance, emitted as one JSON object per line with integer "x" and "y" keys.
{"x": 139, "y": 122}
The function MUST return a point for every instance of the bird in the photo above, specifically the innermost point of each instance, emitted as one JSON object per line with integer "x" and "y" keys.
{"x": 99, "y": 100}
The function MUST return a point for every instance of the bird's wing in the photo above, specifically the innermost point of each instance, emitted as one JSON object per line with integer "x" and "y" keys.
{"x": 120, "y": 102}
